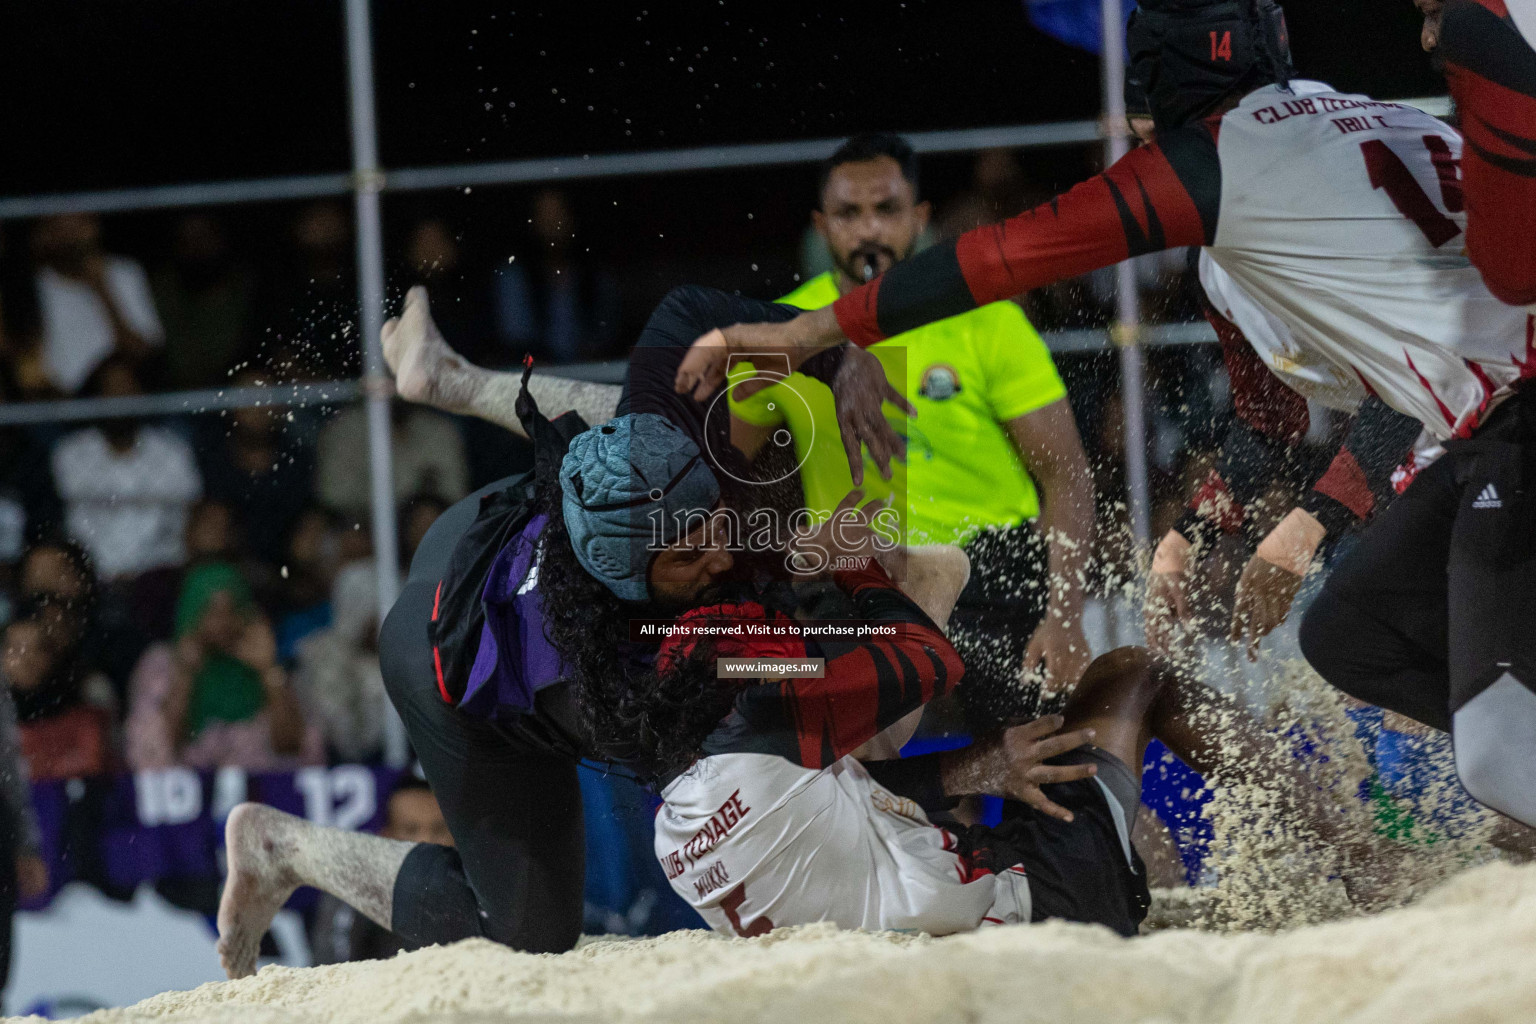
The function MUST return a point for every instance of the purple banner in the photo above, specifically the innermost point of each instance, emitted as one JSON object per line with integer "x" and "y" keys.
{"x": 119, "y": 831}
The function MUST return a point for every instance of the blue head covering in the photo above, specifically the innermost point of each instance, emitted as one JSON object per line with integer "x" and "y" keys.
{"x": 624, "y": 483}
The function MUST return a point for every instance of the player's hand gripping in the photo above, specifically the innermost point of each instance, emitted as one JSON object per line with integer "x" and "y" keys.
{"x": 1272, "y": 577}
{"x": 708, "y": 360}
{"x": 860, "y": 390}
{"x": 1012, "y": 764}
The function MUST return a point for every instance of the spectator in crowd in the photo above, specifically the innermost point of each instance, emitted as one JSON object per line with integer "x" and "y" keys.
{"x": 21, "y": 351}
{"x": 435, "y": 257}
{"x": 250, "y": 460}
{"x": 66, "y": 732}
{"x": 553, "y": 302}
{"x": 416, "y": 517}
{"x": 23, "y": 872}
{"x": 303, "y": 306}
{"x": 217, "y": 696}
{"x": 337, "y": 679}
{"x": 205, "y": 300}
{"x": 428, "y": 456}
{"x": 314, "y": 555}
{"x": 92, "y": 304}
{"x": 57, "y": 575}
{"x": 126, "y": 486}
{"x": 213, "y": 534}
{"x": 340, "y": 934}
{"x": 29, "y": 502}
{"x": 999, "y": 189}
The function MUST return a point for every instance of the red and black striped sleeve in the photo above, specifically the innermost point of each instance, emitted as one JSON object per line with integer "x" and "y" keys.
{"x": 868, "y": 686}
{"x": 1491, "y": 69}
{"x": 1157, "y": 197}
{"x": 1358, "y": 482}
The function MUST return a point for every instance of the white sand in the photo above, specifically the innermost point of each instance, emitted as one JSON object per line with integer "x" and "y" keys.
{"x": 1465, "y": 953}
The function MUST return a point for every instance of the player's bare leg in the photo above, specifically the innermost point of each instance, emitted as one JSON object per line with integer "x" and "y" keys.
{"x": 272, "y": 853}
{"x": 429, "y": 372}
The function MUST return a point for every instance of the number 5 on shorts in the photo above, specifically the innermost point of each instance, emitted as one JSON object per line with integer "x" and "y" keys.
{"x": 732, "y": 902}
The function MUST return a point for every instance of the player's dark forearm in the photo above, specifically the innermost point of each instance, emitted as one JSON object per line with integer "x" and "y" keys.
{"x": 974, "y": 770}
{"x": 805, "y": 337}
{"x": 919, "y": 779}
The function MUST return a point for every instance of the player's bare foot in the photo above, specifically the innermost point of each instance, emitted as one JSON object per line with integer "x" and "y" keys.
{"x": 415, "y": 350}
{"x": 256, "y": 840}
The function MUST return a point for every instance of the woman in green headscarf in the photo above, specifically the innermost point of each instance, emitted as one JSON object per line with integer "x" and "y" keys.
{"x": 218, "y": 695}
{"x": 213, "y": 613}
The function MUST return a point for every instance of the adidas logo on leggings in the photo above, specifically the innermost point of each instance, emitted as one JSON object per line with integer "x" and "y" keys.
{"x": 1489, "y": 498}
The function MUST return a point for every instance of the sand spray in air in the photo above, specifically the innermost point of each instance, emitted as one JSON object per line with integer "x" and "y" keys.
{"x": 1268, "y": 868}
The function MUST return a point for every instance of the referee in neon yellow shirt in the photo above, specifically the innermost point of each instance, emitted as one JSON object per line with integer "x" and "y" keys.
{"x": 993, "y": 460}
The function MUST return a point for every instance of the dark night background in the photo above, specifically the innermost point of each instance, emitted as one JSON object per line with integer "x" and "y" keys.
{"x": 104, "y": 93}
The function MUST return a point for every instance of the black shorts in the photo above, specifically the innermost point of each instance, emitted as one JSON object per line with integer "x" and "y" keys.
{"x": 1086, "y": 870}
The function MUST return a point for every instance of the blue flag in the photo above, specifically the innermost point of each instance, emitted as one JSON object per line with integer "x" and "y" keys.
{"x": 1074, "y": 22}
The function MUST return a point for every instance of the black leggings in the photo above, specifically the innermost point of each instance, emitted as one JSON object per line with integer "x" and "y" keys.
{"x": 509, "y": 794}
{"x": 1432, "y": 614}
{"x": 1438, "y": 596}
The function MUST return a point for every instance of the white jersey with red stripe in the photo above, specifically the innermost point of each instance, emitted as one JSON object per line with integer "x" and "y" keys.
{"x": 1303, "y": 370}
{"x": 1340, "y": 257}
{"x": 753, "y": 841}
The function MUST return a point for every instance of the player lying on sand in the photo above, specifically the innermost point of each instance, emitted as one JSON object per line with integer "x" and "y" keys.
{"x": 771, "y": 818}
{"x": 658, "y": 722}
{"x": 501, "y": 755}
{"x": 497, "y": 620}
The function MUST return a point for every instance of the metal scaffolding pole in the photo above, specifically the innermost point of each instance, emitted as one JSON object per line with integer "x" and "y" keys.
{"x": 580, "y": 167}
{"x": 367, "y": 182}
{"x": 1126, "y": 332}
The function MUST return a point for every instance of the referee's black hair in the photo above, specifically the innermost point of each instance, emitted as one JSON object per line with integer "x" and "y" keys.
{"x": 869, "y": 146}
